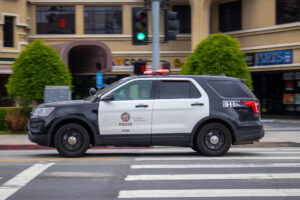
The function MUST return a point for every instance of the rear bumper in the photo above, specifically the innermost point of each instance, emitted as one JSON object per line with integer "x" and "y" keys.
{"x": 249, "y": 132}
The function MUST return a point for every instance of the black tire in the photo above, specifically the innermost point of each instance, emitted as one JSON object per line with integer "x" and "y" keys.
{"x": 195, "y": 148}
{"x": 72, "y": 140}
{"x": 214, "y": 139}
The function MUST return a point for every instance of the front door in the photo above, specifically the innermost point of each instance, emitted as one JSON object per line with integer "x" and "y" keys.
{"x": 128, "y": 117}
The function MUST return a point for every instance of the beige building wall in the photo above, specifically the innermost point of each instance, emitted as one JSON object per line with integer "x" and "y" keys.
{"x": 259, "y": 30}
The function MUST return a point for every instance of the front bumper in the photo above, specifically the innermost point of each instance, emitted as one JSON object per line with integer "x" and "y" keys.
{"x": 37, "y": 132}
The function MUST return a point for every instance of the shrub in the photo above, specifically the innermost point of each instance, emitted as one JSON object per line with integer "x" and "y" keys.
{"x": 37, "y": 66}
{"x": 218, "y": 54}
{"x": 2, "y": 119}
{"x": 17, "y": 118}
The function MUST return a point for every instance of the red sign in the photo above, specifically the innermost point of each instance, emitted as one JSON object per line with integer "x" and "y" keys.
{"x": 62, "y": 23}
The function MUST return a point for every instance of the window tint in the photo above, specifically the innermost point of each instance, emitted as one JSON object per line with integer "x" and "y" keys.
{"x": 177, "y": 90}
{"x": 228, "y": 89}
{"x": 134, "y": 91}
{"x": 287, "y": 11}
{"x": 55, "y": 19}
{"x": 102, "y": 19}
{"x": 230, "y": 16}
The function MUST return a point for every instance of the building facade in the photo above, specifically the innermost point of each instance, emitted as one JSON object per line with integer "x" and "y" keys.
{"x": 95, "y": 35}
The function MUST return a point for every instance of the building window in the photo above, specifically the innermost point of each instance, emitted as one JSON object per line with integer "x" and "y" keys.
{"x": 102, "y": 19}
{"x": 8, "y": 31}
{"x": 287, "y": 11}
{"x": 55, "y": 19}
{"x": 230, "y": 16}
{"x": 184, "y": 17}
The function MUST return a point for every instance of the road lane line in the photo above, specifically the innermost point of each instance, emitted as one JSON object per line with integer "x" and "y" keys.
{"x": 191, "y": 166}
{"x": 56, "y": 159}
{"x": 228, "y": 157}
{"x": 21, "y": 179}
{"x": 209, "y": 193}
{"x": 256, "y": 176}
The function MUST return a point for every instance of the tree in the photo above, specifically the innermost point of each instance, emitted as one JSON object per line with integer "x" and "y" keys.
{"x": 37, "y": 66}
{"x": 218, "y": 54}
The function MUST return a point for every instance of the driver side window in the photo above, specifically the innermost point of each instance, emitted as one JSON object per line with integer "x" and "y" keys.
{"x": 135, "y": 90}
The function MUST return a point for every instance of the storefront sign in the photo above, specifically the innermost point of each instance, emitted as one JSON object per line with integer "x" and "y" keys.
{"x": 274, "y": 57}
{"x": 250, "y": 59}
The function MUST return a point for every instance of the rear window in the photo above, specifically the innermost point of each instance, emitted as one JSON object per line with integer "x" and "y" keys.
{"x": 228, "y": 88}
{"x": 177, "y": 90}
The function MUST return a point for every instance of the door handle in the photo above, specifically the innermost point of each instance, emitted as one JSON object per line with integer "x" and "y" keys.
{"x": 197, "y": 104}
{"x": 141, "y": 106}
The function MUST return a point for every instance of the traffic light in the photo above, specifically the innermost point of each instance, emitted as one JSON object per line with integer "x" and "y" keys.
{"x": 171, "y": 25}
{"x": 139, "y": 26}
{"x": 140, "y": 68}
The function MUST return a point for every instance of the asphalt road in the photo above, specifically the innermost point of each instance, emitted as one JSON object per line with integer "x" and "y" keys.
{"x": 153, "y": 173}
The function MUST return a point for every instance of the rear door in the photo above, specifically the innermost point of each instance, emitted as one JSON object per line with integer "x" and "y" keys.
{"x": 179, "y": 104}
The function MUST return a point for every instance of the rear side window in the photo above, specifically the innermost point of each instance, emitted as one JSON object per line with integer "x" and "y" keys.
{"x": 228, "y": 89}
{"x": 177, "y": 90}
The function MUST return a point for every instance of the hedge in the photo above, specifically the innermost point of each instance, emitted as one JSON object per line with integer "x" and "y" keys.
{"x": 14, "y": 119}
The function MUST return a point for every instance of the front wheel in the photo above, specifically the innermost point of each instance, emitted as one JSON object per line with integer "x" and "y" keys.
{"x": 214, "y": 139}
{"x": 72, "y": 140}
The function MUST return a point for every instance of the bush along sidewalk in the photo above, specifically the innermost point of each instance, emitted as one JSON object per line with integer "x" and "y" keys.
{"x": 14, "y": 120}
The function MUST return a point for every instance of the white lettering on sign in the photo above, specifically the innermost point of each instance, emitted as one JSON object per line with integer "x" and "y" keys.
{"x": 231, "y": 103}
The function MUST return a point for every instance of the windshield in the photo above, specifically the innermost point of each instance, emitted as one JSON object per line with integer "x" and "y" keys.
{"x": 102, "y": 90}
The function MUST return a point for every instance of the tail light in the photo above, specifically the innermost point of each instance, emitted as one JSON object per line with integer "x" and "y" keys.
{"x": 254, "y": 105}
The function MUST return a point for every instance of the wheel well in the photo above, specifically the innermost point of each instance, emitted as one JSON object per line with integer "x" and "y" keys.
{"x": 214, "y": 121}
{"x": 77, "y": 121}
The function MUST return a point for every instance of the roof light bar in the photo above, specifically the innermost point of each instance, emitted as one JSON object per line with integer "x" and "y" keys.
{"x": 157, "y": 72}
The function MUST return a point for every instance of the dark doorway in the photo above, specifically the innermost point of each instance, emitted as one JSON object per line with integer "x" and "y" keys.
{"x": 5, "y": 101}
{"x": 86, "y": 59}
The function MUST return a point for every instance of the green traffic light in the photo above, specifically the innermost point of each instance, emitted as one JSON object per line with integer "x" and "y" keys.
{"x": 141, "y": 36}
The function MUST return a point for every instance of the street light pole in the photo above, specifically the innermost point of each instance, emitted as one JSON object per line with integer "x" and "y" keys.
{"x": 155, "y": 4}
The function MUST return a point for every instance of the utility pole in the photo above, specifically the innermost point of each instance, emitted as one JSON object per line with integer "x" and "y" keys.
{"x": 155, "y": 4}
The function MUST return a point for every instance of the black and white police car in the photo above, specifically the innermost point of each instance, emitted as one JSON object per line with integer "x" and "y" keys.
{"x": 206, "y": 113}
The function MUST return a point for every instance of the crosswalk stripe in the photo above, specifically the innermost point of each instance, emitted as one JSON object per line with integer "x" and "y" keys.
{"x": 186, "y": 166}
{"x": 208, "y": 193}
{"x": 21, "y": 179}
{"x": 219, "y": 158}
{"x": 213, "y": 176}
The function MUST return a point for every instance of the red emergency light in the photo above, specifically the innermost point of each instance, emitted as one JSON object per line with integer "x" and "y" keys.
{"x": 157, "y": 72}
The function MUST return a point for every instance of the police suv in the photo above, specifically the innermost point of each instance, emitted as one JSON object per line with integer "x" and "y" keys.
{"x": 206, "y": 113}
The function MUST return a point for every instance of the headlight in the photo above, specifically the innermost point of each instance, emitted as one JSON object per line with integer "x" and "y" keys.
{"x": 43, "y": 111}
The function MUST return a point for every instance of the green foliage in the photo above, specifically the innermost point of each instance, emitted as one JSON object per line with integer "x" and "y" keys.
{"x": 2, "y": 119}
{"x": 218, "y": 54}
{"x": 37, "y": 66}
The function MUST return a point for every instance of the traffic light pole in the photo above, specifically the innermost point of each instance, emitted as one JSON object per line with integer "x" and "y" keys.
{"x": 155, "y": 4}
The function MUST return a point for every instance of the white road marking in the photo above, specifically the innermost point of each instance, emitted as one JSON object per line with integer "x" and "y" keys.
{"x": 213, "y": 176}
{"x": 78, "y": 174}
{"x": 21, "y": 179}
{"x": 228, "y": 157}
{"x": 190, "y": 166}
{"x": 208, "y": 193}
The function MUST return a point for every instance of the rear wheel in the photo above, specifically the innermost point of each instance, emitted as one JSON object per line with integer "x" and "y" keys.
{"x": 72, "y": 140}
{"x": 214, "y": 139}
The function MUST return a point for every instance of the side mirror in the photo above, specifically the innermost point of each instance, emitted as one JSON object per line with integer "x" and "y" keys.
{"x": 109, "y": 97}
{"x": 92, "y": 91}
